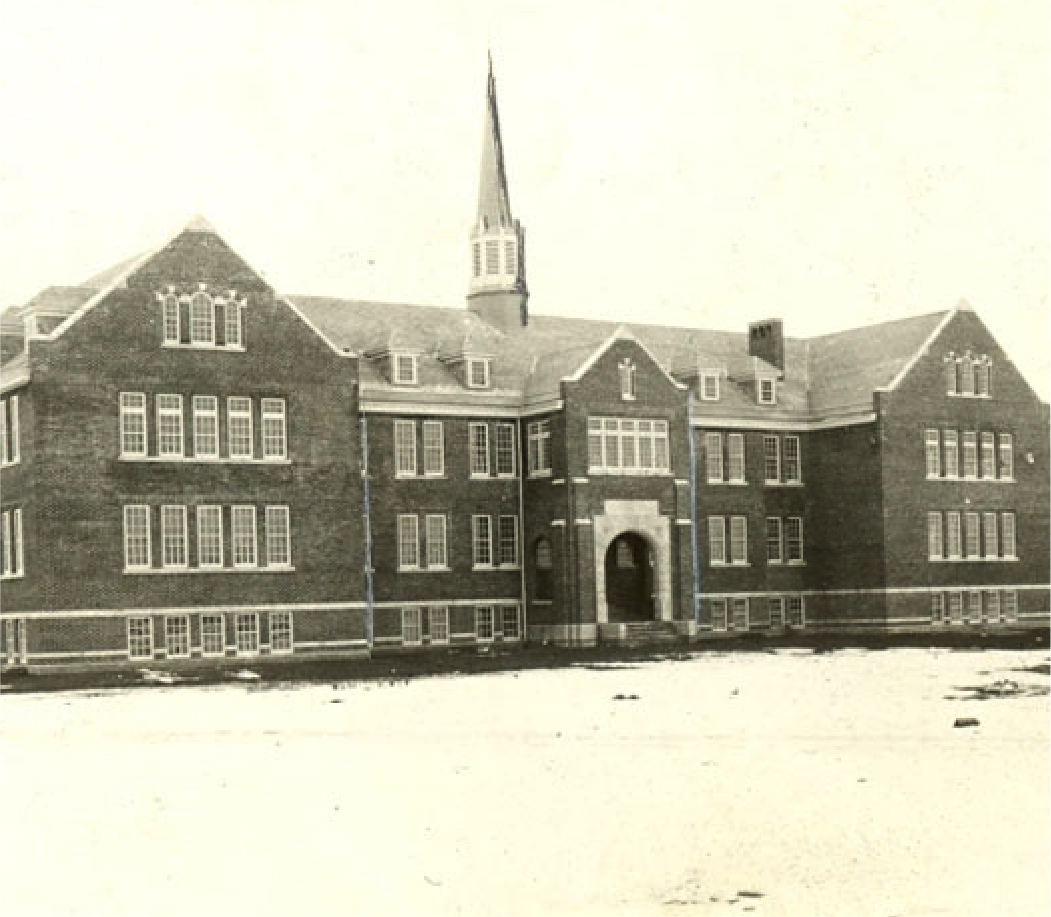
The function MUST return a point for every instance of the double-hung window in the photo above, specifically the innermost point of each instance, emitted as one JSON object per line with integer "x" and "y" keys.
{"x": 972, "y": 536}
{"x": 137, "y": 537}
{"x": 738, "y": 540}
{"x": 132, "y": 424}
{"x": 280, "y": 626}
{"x": 278, "y": 537}
{"x": 709, "y": 386}
{"x": 992, "y": 541}
{"x": 505, "y": 450}
{"x": 246, "y": 631}
{"x": 239, "y": 427}
{"x": 242, "y": 524}
{"x": 735, "y": 446}
{"x": 511, "y": 622}
{"x": 932, "y": 451}
{"x": 774, "y": 551}
{"x": 408, "y": 542}
{"x": 793, "y": 463}
{"x": 205, "y": 426}
{"x": 771, "y": 459}
{"x": 952, "y": 535}
{"x": 767, "y": 391}
{"x": 13, "y": 543}
{"x": 796, "y": 611}
{"x": 935, "y": 545}
{"x": 794, "y": 539}
{"x": 739, "y": 608}
{"x": 202, "y": 319}
{"x": 140, "y": 638}
{"x": 172, "y": 330}
{"x": 988, "y": 455}
{"x": 992, "y": 606}
{"x": 981, "y": 378}
{"x": 970, "y": 455}
{"x": 716, "y": 540}
{"x": 508, "y": 541}
{"x": 438, "y": 623}
{"x": 404, "y": 368}
{"x": 937, "y": 608}
{"x": 437, "y": 550}
{"x": 411, "y": 631}
{"x": 213, "y": 635}
{"x": 169, "y": 426}
{"x": 209, "y": 536}
{"x": 173, "y": 536}
{"x": 433, "y": 448}
{"x": 713, "y": 457}
{"x": 478, "y": 436}
{"x": 482, "y": 540}
{"x": 1007, "y": 525}
{"x": 477, "y": 373}
{"x": 952, "y": 454}
{"x": 718, "y": 613}
{"x": 273, "y": 420}
{"x": 232, "y": 324}
{"x": 1007, "y": 465}
{"x": 539, "y": 447}
{"x": 404, "y": 448}
{"x": 177, "y": 635}
{"x": 483, "y": 622}
{"x": 1010, "y": 605}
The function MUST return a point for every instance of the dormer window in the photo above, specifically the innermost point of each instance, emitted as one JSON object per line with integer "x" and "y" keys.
{"x": 477, "y": 373}
{"x": 627, "y": 380}
{"x": 709, "y": 386}
{"x": 404, "y": 368}
{"x": 202, "y": 320}
{"x": 767, "y": 391}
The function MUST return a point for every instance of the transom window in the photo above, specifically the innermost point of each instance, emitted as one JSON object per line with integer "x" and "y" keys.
{"x": 169, "y": 426}
{"x": 274, "y": 438}
{"x": 623, "y": 446}
{"x": 239, "y": 427}
{"x": 132, "y": 423}
{"x": 205, "y": 426}
{"x": 278, "y": 538}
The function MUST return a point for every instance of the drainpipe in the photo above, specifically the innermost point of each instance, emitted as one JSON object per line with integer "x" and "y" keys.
{"x": 522, "y": 546}
{"x": 366, "y": 513}
{"x": 693, "y": 512}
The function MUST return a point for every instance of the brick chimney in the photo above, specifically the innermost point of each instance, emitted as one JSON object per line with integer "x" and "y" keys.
{"x": 766, "y": 340}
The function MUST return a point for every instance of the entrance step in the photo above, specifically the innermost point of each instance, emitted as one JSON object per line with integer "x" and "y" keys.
{"x": 639, "y": 633}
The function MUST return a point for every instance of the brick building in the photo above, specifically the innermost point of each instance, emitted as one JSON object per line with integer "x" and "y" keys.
{"x": 197, "y": 466}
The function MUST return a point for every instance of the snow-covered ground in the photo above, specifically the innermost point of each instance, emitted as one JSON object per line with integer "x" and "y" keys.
{"x": 778, "y": 783}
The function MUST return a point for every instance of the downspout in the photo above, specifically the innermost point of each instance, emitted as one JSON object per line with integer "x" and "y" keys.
{"x": 693, "y": 512}
{"x": 370, "y": 609}
{"x": 522, "y": 552}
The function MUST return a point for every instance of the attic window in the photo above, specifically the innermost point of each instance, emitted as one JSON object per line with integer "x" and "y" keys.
{"x": 767, "y": 391}
{"x": 709, "y": 386}
{"x": 627, "y": 380}
{"x": 202, "y": 319}
{"x": 477, "y": 373}
{"x": 404, "y": 369}
{"x": 171, "y": 319}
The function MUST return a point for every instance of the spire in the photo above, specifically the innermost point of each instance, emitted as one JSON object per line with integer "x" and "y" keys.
{"x": 494, "y": 203}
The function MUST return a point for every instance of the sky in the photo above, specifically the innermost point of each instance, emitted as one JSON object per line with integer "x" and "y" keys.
{"x": 689, "y": 163}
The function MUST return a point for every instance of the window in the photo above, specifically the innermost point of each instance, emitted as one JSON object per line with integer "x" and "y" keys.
{"x": 794, "y": 533}
{"x": 14, "y": 437}
{"x": 974, "y": 607}
{"x": 709, "y": 386}
{"x": 404, "y": 448}
{"x": 511, "y": 623}
{"x": 508, "y": 540}
{"x": 136, "y": 537}
{"x": 937, "y": 608}
{"x": 492, "y": 256}
{"x": 626, "y": 370}
{"x": 246, "y": 629}
{"x": 740, "y": 614}
{"x": 273, "y": 414}
{"x": 280, "y": 631}
{"x": 716, "y": 540}
{"x": 478, "y": 436}
{"x": 540, "y": 447}
{"x": 477, "y": 373}
{"x": 988, "y": 455}
{"x": 202, "y": 319}
{"x": 242, "y": 519}
{"x": 981, "y": 378}
{"x": 213, "y": 635}
{"x": 793, "y": 469}
{"x": 952, "y": 531}
{"x": 1007, "y": 465}
{"x": 773, "y": 540}
{"x": 476, "y": 258}
{"x": 713, "y": 457}
{"x": 973, "y": 543}
{"x": 171, "y": 319}
{"x": 437, "y": 552}
{"x": 239, "y": 427}
{"x": 169, "y": 425}
{"x": 482, "y": 541}
{"x": 776, "y": 607}
{"x": 433, "y": 449}
{"x": 232, "y": 326}
{"x": 718, "y": 608}
{"x": 992, "y": 606}
{"x": 438, "y": 619}
{"x": 992, "y": 545}
{"x": 16, "y": 542}
{"x": 767, "y": 391}
{"x": 771, "y": 459}
{"x": 627, "y": 446}
{"x": 140, "y": 638}
{"x": 278, "y": 537}
{"x": 1007, "y": 525}
{"x": 209, "y": 536}
{"x": 509, "y": 257}
{"x": 543, "y": 562}
{"x": 796, "y": 611}
{"x": 205, "y": 426}
{"x": 404, "y": 368}
{"x": 956, "y": 608}
{"x": 411, "y": 633}
{"x": 1010, "y": 605}
{"x": 932, "y": 449}
{"x": 952, "y": 454}
{"x": 9, "y": 568}
{"x": 738, "y": 540}
{"x": 173, "y": 536}
{"x": 735, "y": 442}
{"x": 483, "y": 622}
{"x": 5, "y": 455}
{"x": 970, "y": 455}
{"x": 935, "y": 546}
{"x": 966, "y": 376}
{"x": 177, "y": 635}
{"x": 408, "y": 543}
{"x": 505, "y": 450}
{"x": 132, "y": 423}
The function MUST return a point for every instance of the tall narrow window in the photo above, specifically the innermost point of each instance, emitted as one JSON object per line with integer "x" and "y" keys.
{"x": 628, "y": 439}
{"x": 482, "y": 540}
{"x": 735, "y": 448}
{"x": 974, "y": 607}
{"x": 172, "y": 330}
{"x": 956, "y": 607}
{"x": 966, "y": 376}
{"x": 408, "y": 542}
{"x": 14, "y": 442}
{"x": 140, "y": 638}
{"x": 952, "y": 454}
{"x": 505, "y": 450}
{"x": 738, "y": 540}
{"x": 794, "y": 539}
{"x": 718, "y": 612}
{"x": 510, "y": 265}
{"x": 713, "y": 457}
{"x": 18, "y": 542}
{"x": 209, "y": 536}
{"x": 242, "y": 523}
{"x": 950, "y": 376}
{"x": 280, "y": 631}
{"x": 793, "y": 465}
{"x": 8, "y": 568}
{"x": 274, "y": 437}
{"x": 771, "y": 459}
{"x": 246, "y": 631}
{"x": 511, "y": 622}
{"x": 476, "y": 258}
{"x": 1007, "y": 463}
{"x": 627, "y": 380}
{"x": 232, "y": 325}
{"x": 1010, "y": 605}
{"x": 438, "y": 619}
{"x": 716, "y": 540}
{"x": 132, "y": 423}
{"x": 437, "y": 552}
{"x": 173, "y": 536}
{"x": 483, "y": 622}
{"x": 239, "y": 427}
{"x": 776, "y": 610}
{"x": 5, "y": 455}
{"x": 740, "y": 613}
{"x": 932, "y": 450}
{"x": 433, "y": 448}
{"x": 988, "y": 455}
{"x": 404, "y": 448}
{"x": 981, "y": 378}
{"x": 992, "y": 606}
{"x": 970, "y": 455}
{"x": 544, "y": 562}
{"x": 539, "y": 447}
{"x": 952, "y": 533}
{"x": 774, "y": 553}
{"x": 205, "y": 426}
{"x": 411, "y": 632}
{"x": 278, "y": 537}
{"x": 177, "y": 635}
{"x": 796, "y": 611}
{"x": 1007, "y": 528}
{"x": 136, "y": 537}
{"x": 202, "y": 319}
{"x": 972, "y": 535}
{"x": 611, "y": 442}
{"x": 935, "y": 547}
{"x": 992, "y": 542}
{"x": 213, "y": 635}
{"x": 595, "y": 454}
{"x": 492, "y": 256}
{"x": 937, "y": 608}
{"x": 169, "y": 425}
{"x": 478, "y": 434}
{"x": 508, "y": 540}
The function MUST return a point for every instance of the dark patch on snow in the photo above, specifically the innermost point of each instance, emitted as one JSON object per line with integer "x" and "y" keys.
{"x": 965, "y": 721}
{"x": 625, "y": 697}
{"x": 1005, "y": 687}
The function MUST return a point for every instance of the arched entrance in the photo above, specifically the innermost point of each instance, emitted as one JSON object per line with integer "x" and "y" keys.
{"x": 630, "y": 583}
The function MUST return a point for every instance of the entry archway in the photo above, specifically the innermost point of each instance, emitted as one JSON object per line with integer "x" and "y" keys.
{"x": 630, "y": 579}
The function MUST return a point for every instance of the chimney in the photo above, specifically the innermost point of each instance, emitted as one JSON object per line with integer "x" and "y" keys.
{"x": 766, "y": 340}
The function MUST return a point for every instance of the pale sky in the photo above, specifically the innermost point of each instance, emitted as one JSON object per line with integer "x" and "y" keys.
{"x": 695, "y": 163}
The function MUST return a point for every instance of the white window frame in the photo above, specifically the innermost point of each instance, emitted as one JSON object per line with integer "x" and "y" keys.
{"x": 717, "y": 614}
{"x": 174, "y": 538}
{"x": 990, "y": 536}
{"x": 982, "y": 376}
{"x": 408, "y": 541}
{"x": 1007, "y": 464}
{"x": 274, "y": 620}
{"x": 481, "y": 613}
{"x": 170, "y": 415}
{"x": 143, "y": 640}
{"x": 713, "y": 457}
{"x": 514, "y": 613}
{"x": 1009, "y": 605}
{"x": 171, "y": 321}
{"x": 792, "y": 445}
{"x": 132, "y": 405}
{"x": 953, "y": 535}
{"x": 232, "y": 322}
{"x": 970, "y": 454}
{"x": 244, "y": 538}
{"x": 932, "y": 450}
{"x": 205, "y": 409}
{"x": 717, "y": 553}
{"x": 209, "y": 538}
{"x": 5, "y": 458}
{"x": 992, "y": 606}
{"x": 278, "y": 523}
{"x": 507, "y": 525}
{"x": 208, "y": 633}
{"x": 739, "y": 537}
{"x": 776, "y": 610}
{"x": 436, "y": 530}
{"x": 795, "y": 611}
{"x": 935, "y": 537}
{"x": 972, "y": 535}
{"x": 709, "y": 387}
{"x": 131, "y": 510}
{"x": 482, "y": 542}
{"x": 478, "y": 372}
{"x": 245, "y": 647}
{"x": 274, "y": 423}
{"x": 767, "y": 390}
{"x": 626, "y": 372}
{"x": 771, "y": 459}
{"x": 438, "y": 624}
{"x": 14, "y": 440}
{"x": 938, "y": 612}
{"x": 735, "y": 458}
{"x": 236, "y": 416}
{"x": 955, "y": 605}
{"x": 506, "y": 464}
{"x": 401, "y": 360}
{"x": 433, "y": 448}
{"x": 1008, "y": 536}
{"x": 405, "y": 448}
{"x": 951, "y": 444}
{"x": 774, "y": 539}
{"x": 9, "y": 568}
{"x": 18, "y": 542}
{"x": 951, "y": 378}
{"x": 174, "y": 632}
{"x": 202, "y": 307}
{"x": 966, "y": 377}
{"x": 974, "y": 606}
{"x": 794, "y": 540}
{"x": 539, "y": 433}
{"x": 648, "y": 450}
{"x": 411, "y": 625}
{"x": 740, "y": 614}
{"x": 478, "y": 449}
{"x": 988, "y": 456}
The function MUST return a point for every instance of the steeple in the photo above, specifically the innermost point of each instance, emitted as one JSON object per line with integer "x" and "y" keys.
{"x": 497, "y": 291}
